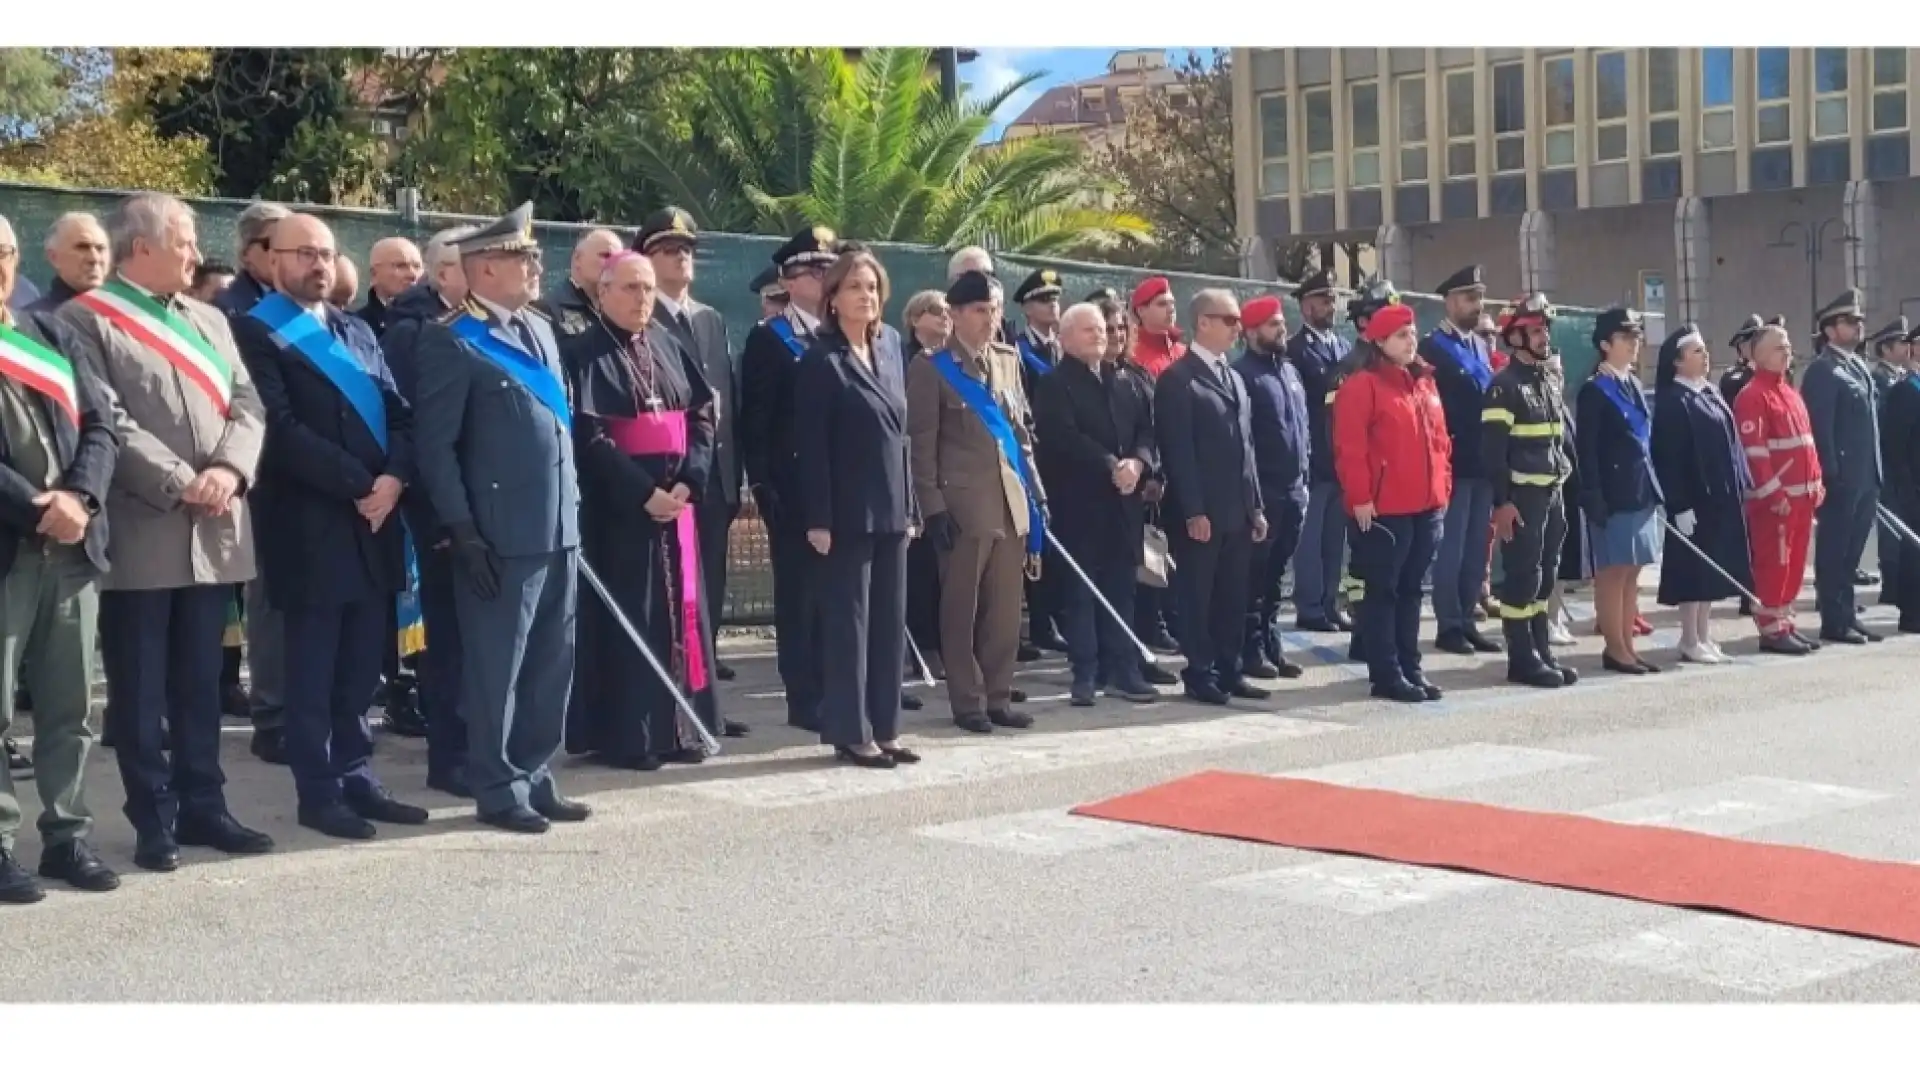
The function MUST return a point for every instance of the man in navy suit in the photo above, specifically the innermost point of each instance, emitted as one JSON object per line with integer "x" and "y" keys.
{"x": 339, "y": 453}
{"x": 493, "y": 432}
{"x": 1203, "y": 419}
{"x": 1316, "y": 352}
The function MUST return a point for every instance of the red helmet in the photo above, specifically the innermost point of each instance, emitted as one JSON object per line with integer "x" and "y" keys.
{"x": 1530, "y": 310}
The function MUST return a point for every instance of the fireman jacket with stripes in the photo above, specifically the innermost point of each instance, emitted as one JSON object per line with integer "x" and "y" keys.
{"x": 1524, "y": 436}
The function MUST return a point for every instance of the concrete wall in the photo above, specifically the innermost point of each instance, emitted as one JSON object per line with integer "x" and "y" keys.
{"x": 1750, "y": 276}
{"x": 1599, "y": 254}
{"x": 1899, "y": 213}
{"x": 1438, "y": 250}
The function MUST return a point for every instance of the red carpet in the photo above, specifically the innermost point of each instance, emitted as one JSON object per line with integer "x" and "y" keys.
{"x": 1771, "y": 882}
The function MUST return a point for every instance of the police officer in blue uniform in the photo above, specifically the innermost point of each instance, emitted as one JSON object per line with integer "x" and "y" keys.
{"x": 1039, "y": 344}
{"x": 1843, "y": 406}
{"x": 767, "y": 368}
{"x": 1463, "y": 369}
{"x": 492, "y": 436}
{"x": 1316, "y": 352}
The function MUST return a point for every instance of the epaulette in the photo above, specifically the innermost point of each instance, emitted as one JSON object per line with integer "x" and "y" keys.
{"x": 446, "y": 318}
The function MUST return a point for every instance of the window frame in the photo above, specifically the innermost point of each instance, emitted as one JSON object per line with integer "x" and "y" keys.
{"x": 1605, "y": 125}
{"x": 1520, "y": 134}
{"x": 1762, "y": 105}
{"x": 1647, "y": 149}
{"x": 1405, "y": 144}
{"x": 1313, "y": 157}
{"x": 1727, "y": 109}
{"x": 1877, "y": 89}
{"x": 1818, "y": 97}
{"x": 1267, "y": 160}
{"x": 1354, "y": 149}
{"x": 1472, "y": 137}
{"x": 1569, "y": 128}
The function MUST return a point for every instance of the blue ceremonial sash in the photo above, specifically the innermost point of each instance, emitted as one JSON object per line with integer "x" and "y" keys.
{"x": 979, "y": 399}
{"x": 296, "y": 328}
{"x": 1032, "y": 358}
{"x": 412, "y": 620}
{"x": 529, "y": 371}
{"x": 1631, "y": 406}
{"x": 1466, "y": 356}
{"x": 782, "y": 328}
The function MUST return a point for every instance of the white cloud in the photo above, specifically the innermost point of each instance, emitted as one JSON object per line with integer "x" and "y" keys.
{"x": 995, "y": 69}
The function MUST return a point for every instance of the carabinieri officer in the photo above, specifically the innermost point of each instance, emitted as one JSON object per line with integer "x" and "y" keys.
{"x": 493, "y": 434}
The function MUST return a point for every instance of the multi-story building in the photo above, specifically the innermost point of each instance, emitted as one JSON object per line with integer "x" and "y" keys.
{"x": 1704, "y": 183}
{"x": 1095, "y": 110}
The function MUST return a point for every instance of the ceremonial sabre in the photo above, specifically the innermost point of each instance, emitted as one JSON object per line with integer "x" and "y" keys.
{"x": 1674, "y": 532}
{"x": 1889, "y": 518}
{"x": 919, "y": 661}
{"x": 1146, "y": 654}
{"x": 711, "y": 744}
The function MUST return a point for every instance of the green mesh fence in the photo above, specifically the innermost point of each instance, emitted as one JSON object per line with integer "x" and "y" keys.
{"x": 727, "y": 264}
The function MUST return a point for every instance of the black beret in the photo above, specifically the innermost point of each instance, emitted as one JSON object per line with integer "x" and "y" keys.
{"x": 972, "y": 287}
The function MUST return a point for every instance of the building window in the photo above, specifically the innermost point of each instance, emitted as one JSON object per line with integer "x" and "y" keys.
{"x": 1772, "y": 111}
{"x": 1716, "y": 99}
{"x": 1461, "y": 155}
{"x": 1889, "y": 90}
{"x": 1411, "y": 101}
{"x": 1273, "y": 144}
{"x": 1363, "y": 133}
{"x": 1093, "y": 97}
{"x": 1509, "y": 118}
{"x": 1319, "y": 112}
{"x": 1830, "y": 102}
{"x": 1663, "y": 102}
{"x": 1610, "y": 106}
{"x": 1557, "y": 113}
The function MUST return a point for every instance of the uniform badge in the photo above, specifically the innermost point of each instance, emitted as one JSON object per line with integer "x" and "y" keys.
{"x": 680, "y": 222}
{"x": 1048, "y": 277}
{"x": 572, "y": 321}
{"x": 822, "y": 235}
{"x": 1749, "y": 427}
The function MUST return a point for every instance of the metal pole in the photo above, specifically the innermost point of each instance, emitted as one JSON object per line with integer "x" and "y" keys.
{"x": 1674, "y": 532}
{"x": 949, "y": 74}
{"x": 711, "y": 744}
{"x": 919, "y": 661}
{"x": 1146, "y": 654}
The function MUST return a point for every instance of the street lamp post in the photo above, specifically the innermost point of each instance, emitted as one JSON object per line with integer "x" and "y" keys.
{"x": 1813, "y": 243}
{"x": 949, "y": 74}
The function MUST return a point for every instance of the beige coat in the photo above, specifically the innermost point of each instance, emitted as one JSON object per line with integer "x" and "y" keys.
{"x": 170, "y": 432}
{"x": 957, "y": 467}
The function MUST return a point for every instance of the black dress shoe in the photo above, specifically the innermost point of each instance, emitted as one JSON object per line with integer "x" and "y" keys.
{"x": 1009, "y": 718}
{"x": 157, "y": 852}
{"x": 1027, "y": 653}
{"x": 901, "y": 755}
{"x": 1017, "y": 696}
{"x": 1845, "y": 636}
{"x": 381, "y": 806}
{"x": 1619, "y": 668}
{"x": 453, "y": 782}
{"x": 629, "y": 762}
{"x": 1138, "y": 693}
{"x": 734, "y": 729}
{"x": 1785, "y": 643}
{"x": 1246, "y": 691}
{"x": 17, "y": 762}
{"x": 516, "y": 819}
{"x": 1081, "y": 694}
{"x": 75, "y": 863}
{"x": 1404, "y": 692}
{"x": 566, "y": 811}
{"x": 1156, "y": 675}
{"x": 269, "y": 747}
{"x": 1342, "y": 622}
{"x": 1872, "y": 638}
{"x": 1455, "y": 642}
{"x": 1287, "y": 669}
{"x": 222, "y": 834}
{"x": 974, "y": 722}
{"x": 335, "y": 820}
{"x": 403, "y": 717}
{"x": 911, "y": 702}
{"x": 1482, "y": 643}
{"x": 233, "y": 702}
{"x": 723, "y": 672}
{"x": 16, "y": 885}
{"x": 847, "y": 755}
{"x": 1259, "y": 669}
{"x": 1316, "y": 626}
{"x": 1162, "y": 642}
{"x": 1812, "y": 644}
{"x": 1865, "y": 579}
{"x": 1208, "y": 694}
{"x": 1420, "y": 683}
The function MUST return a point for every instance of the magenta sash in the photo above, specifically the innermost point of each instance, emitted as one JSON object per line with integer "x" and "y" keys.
{"x": 665, "y": 433}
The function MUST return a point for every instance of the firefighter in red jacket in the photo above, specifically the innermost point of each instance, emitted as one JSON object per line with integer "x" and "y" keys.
{"x": 1393, "y": 457}
{"x": 1787, "y": 488}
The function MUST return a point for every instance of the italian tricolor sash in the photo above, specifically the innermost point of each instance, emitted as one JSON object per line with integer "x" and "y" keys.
{"x": 175, "y": 339}
{"x": 35, "y": 365}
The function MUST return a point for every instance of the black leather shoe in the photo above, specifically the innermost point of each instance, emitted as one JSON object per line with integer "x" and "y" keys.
{"x": 1785, "y": 644}
{"x": 1258, "y": 668}
{"x": 1342, "y": 622}
{"x": 974, "y": 722}
{"x": 233, "y": 702}
{"x": 1287, "y": 669}
{"x": 335, "y": 820}
{"x": 901, "y": 755}
{"x": 452, "y": 782}
{"x": 1537, "y": 675}
{"x": 563, "y": 810}
{"x": 1246, "y": 691}
{"x": 222, "y": 834}
{"x": 1455, "y": 642}
{"x": 1315, "y": 626}
{"x": 1872, "y": 638}
{"x": 1017, "y": 696}
{"x": 1845, "y": 636}
{"x": 16, "y": 885}
{"x": 403, "y": 717}
{"x": 1208, "y": 694}
{"x": 75, "y": 863}
{"x": 1081, "y": 694}
{"x": 1027, "y": 654}
{"x": 1420, "y": 683}
{"x": 1009, "y": 718}
{"x": 1482, "y": 643}
{"x": 381, "y": 806}
{"x": 847, "y": 755}
{"x": 723, "y": 672}
{"x": 1620, "y": 668}
{"x": 1812, "y": 644}
{"x": 1404, "y": 692}
{"x": 157, "y": 852}
{"x": 268, "y": 747}
{"x": 734, "y": 729}
{"x": 911, "y": 702}
{"x": 1049, "y": 641}
{"x": 1156, "y": 675}
{"x": 1138, "y": 693}
{"x": 517, "y": 819}
{"x": 629, "y": 762}
{"x": 1162, "y": 642}
{"x": 17, "y": 762}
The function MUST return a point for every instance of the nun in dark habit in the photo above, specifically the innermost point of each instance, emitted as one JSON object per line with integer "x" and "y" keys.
{"x": 643, "y": 421}
{"x": 1703, "y": 473}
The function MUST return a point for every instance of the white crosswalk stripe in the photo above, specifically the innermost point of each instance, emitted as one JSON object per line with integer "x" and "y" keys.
{"x": 1741, "y": 954}
{"x": 1442, "y": 770}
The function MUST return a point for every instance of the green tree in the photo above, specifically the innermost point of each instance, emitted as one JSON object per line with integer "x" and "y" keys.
{"x": 101, "y": 132}
{"x": 32, "y": 91}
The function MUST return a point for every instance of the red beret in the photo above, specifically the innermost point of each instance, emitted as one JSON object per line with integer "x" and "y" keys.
{"x": 1388, "y": 321}
{"x": 1147, "y": 291}
{"x": 1258, "y": 310}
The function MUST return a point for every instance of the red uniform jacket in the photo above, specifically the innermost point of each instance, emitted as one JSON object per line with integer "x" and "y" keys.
{"x": 1778, "y": 438}
{"x": 1390, "y": 444}
{"x": 1154, "y": 352}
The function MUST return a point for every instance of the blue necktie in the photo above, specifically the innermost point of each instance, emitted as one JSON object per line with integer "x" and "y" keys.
{"x": 524, "y": 332}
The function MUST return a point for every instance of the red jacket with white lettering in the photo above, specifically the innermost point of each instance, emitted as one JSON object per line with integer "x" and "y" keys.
{"x": 1390, "y": 444}
{"x": 1778, "y": 439}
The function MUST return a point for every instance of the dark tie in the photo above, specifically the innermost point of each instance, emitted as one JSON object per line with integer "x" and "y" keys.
{"x": 680, "y": 323}
{"x": 524, "y": 331}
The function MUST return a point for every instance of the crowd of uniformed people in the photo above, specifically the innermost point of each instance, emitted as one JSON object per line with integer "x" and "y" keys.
{"x": 405, "y": 502}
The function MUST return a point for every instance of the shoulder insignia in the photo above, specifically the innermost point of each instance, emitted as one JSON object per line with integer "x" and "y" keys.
{"x": 1750, "y": 427}
{"x": 572, "y": 321}
{"x": 446, "y": 318}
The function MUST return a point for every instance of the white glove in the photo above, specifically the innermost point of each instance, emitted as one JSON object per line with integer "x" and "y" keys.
{"x": 1684, "y": 522}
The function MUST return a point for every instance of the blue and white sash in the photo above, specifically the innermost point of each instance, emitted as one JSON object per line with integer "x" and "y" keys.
{"x": 296, "y": 328}
{"x": 978, "y": 398}
{"x": 1031, "y": 357}
{"x": 532, "y": 373}
{"x": 1468, "y": 357}
{"x": 782, "y": 328}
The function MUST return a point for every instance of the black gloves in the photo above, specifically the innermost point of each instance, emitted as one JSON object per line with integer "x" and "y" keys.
{"x": 943, "y": 531}
{"x": 475, "y": 561}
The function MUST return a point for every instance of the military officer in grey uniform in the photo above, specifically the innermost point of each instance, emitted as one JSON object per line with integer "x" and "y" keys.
{"x": 1843, "y": 406}
{"x": 492, "y": 434}
{"x": 1891, "y": 350}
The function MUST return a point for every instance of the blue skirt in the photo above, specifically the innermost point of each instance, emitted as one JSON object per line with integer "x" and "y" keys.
{"x": 1629, "y": 539}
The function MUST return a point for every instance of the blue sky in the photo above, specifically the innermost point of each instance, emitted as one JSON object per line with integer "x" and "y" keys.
{"x": 997, "y": 67}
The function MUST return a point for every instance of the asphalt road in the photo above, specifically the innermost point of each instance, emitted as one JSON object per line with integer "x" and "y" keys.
{"x": 769, "y": 875}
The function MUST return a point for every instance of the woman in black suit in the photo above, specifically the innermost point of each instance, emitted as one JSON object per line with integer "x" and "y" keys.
{"x": 850, "y": 417}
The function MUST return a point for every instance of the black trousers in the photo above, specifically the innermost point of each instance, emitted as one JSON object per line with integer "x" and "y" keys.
{"x": 796, "y": 618}
{"x": 1213, "y": 602}
{"x": 1530, "y": 562}
{"x": 714, "y": 520}
{"x": 923, "y": 597}
{"x": 1392, "y": 558}
{"x": 1286, "y": 517}
{"x": 441, "y": 665}
{"x": 161, "y": 651}
{"x": 1046, "y": 607}
{"x": 863, "y": 599}
{"x": 333, "y": 666}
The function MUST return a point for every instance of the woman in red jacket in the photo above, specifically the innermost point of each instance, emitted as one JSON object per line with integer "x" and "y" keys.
{"x": 1392, "y": 454}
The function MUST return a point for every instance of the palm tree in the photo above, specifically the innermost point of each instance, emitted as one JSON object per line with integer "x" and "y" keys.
{"x": 776, "y": 139}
